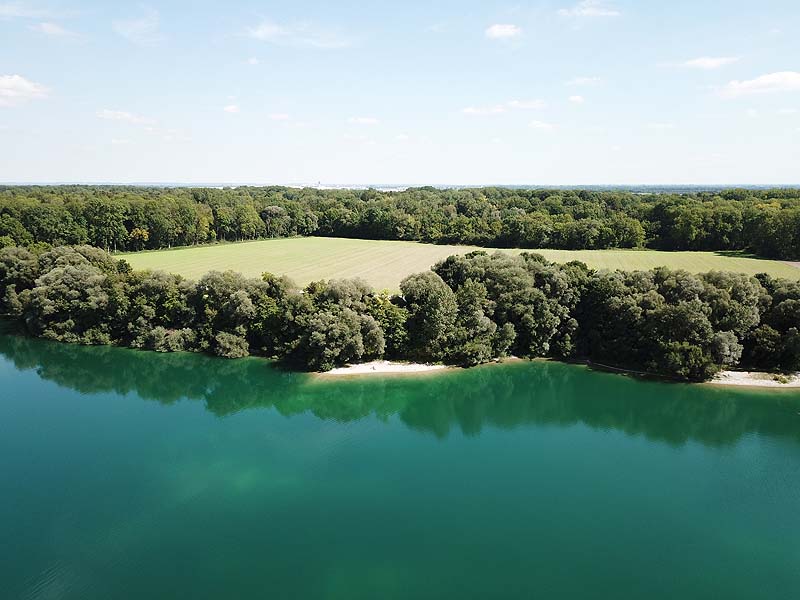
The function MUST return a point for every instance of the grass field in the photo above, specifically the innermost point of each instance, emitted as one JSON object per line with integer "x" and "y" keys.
{"x": 383, "y": 264}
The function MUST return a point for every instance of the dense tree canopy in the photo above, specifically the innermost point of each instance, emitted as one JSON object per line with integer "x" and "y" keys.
{"x": 766, "y": 222}
{"x": 466, "y": 310}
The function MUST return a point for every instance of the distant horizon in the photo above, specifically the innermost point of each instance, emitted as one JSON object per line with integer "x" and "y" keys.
{"x": 462, "y": 91}
{"x": 399, "y": 186}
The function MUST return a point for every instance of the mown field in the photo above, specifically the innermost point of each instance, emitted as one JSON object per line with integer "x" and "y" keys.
{"x": 384, "y": 263}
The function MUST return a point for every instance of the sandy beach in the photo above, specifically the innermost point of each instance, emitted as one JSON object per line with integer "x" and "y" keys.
{"x": 729, "y": 378}
{"x": 755, "y": 379}
{"x": 383, "y": 367}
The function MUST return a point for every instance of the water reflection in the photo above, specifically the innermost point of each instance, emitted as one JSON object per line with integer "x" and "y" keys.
{"x": 503, "y": 397}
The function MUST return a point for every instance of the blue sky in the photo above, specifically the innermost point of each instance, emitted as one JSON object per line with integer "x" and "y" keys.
{"x": 457, "y": 92}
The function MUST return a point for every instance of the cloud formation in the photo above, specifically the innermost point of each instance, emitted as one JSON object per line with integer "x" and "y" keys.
{"x": 52, "y": 29}
{"x": 710, "y": 62}
{"x": 142, "y": 31}
{"x": 500, "y": 31}
{"x": 16, "y": 90}
{"x": 125, "y": 116}
{"x": 541, "y": 125}
{"x": 363, "y": 121}
{"x": 783, "y": 81}
{"x": 231, "y": 108}
{"x": 589, "y": 8}
{"x": 302, "y": 34}
{"x": 584, "y": 81}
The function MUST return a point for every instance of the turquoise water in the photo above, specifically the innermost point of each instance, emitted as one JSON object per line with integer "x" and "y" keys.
{"x": 137, "y": 475}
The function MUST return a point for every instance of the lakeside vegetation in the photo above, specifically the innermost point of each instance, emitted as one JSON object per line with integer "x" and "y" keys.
{"x": 764, "y": 222}
{"x": 514, "y": 395}
{"x": 383, "y": 264}
{"x": 467, "y": 310}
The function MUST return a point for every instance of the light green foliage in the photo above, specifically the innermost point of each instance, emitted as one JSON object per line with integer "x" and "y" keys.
{"x": 229, "y": 345}
{"x": 383, "y": 264}
{"x": 468, "y": 310}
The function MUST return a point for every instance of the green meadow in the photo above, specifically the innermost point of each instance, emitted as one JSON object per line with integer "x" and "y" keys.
{"x": 384, "y": 264}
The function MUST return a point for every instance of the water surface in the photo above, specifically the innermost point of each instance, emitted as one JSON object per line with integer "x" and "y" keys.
{"x": 137, "y": 475}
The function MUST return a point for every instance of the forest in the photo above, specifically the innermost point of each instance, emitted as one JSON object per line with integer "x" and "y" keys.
{"x": 465, "y": 311}
{"x": 116, "y": 218}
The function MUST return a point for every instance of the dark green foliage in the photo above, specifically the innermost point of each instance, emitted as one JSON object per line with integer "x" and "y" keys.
{"x": 468, "y": 310}
{"x": 18, "y": 271}
{"x": 432, "y": 312}
{"x": 766, "y": 222}
{"x": 392, "y": 320}
{"x": 775, "y": 344}
{"x": 165, "y": 340}
{"x": 339, "y": 336}
{"x": 726, "y": 349}
{"x": 228, "y": 345}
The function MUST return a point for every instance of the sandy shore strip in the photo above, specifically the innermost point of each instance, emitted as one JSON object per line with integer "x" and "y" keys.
{"x": 729, "y": 378}
{"x": 382, "y": 367}
{"x": 756, "y": 379}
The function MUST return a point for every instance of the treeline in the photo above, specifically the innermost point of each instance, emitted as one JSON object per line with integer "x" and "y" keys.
{"x": 467, "y": 310}
{"x": 765, "y": 222}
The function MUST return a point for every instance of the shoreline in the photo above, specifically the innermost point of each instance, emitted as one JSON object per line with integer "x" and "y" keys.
{"x": 752, "y": 379}
{"x": 730, "y": 379}
{"x": 385, "y": 367}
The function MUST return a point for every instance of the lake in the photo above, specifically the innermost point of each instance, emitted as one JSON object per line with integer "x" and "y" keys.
{"x": 138, "y": 475}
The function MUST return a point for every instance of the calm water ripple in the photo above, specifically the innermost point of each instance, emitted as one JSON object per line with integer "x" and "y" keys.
{"x": 131, "y": 475}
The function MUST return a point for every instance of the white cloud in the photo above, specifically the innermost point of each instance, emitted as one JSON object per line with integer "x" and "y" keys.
{"x": 253, "y": 61}
{"x": 363, "y": 121}
{"x": 15, "y": 90}
{"x": 120, "y": 142}
{"x": 302, "y": 34}
{"x": 577, "y": 99}
{"x": 788, "y": 111}
{"x": 783, "y": 81}
{"x": 143, "y": 30}
{"x": 710, "y": 62}
{"x": 279, "y": 117}
{"x": 484, "y": 110}
{"x": 541, "y": 125}
{"x": 661, "y": 126}
{"x": 752, "y": 113}
{"x": 122, "y": 115}
{"x": 52, "y": 29}
{"x": 402, "y": 137}
{"x": 231, "y": 108}
{"x": 501, "y": 31}
{"x": 527, "y": 104}
{"x": 11, "y": 10}
{"x": 589, "y": 8}
{"x": 584, "y": 81}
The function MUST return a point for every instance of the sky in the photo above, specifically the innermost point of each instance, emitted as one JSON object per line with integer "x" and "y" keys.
{"x": 461, "y": 92}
